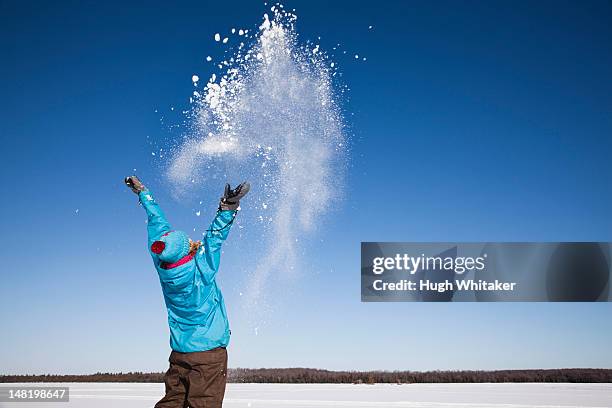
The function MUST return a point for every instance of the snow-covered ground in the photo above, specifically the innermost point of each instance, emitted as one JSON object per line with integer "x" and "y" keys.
{"x": 124, "y": 395}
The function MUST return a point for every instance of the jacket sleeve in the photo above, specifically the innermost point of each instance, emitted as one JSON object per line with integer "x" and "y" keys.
{"x": 216, "y": 236}
{"x": 157, "y": 225}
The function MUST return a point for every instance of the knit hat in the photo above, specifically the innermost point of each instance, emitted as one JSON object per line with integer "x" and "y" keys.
{"x": 172, "y": 246}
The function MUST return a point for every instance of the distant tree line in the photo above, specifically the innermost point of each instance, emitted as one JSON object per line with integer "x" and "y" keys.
{"x": 310, "y": 375}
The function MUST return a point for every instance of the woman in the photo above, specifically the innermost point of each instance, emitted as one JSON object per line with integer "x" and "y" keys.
{"x": 199, "y": 329}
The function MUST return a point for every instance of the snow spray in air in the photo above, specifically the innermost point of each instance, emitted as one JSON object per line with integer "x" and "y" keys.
{"x": 272, "y": 118}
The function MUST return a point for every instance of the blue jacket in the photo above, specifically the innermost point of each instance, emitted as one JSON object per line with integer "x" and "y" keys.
{"x": 196, "y": 311}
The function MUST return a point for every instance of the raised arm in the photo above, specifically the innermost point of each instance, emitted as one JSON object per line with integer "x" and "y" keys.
{"x": 157, "y": 225}
{"x": 219, "y": 229}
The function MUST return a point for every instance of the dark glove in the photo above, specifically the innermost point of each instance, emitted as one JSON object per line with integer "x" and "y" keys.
{"x": 135, "y": 184}
{"x": 231, "y": 198}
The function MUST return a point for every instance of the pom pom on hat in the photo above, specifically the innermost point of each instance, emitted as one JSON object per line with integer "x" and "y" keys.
{"x": 158, "y": 247}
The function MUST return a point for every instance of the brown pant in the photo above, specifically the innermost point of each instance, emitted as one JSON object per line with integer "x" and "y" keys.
{"x": 195, "y": 380}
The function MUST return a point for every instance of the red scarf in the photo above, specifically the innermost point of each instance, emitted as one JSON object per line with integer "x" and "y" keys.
{"x": 182, "y": 261}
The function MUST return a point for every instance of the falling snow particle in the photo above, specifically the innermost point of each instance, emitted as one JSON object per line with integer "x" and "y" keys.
{"x": 217, "y": 37}
{"x": 195, "y": 78}
{"x": 209, "y": 58}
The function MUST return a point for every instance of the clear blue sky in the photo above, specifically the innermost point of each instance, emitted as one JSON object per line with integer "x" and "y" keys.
{"x": 471, "y": 120}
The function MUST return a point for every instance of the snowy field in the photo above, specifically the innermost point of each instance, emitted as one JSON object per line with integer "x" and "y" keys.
{"x": 124, "y": 395}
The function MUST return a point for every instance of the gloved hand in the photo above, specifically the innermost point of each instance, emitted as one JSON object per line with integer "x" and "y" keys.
{"x": 231, "y": 198}
{"x": 135, "y": 184}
